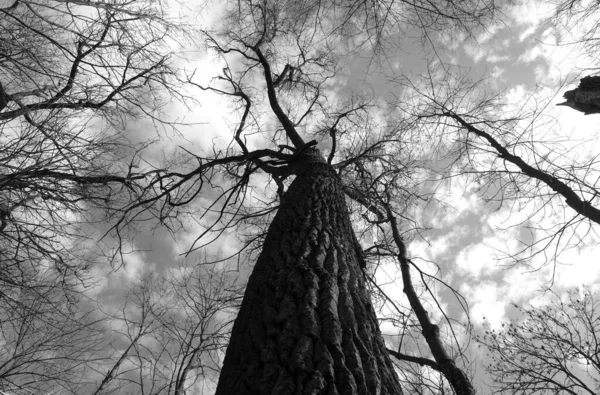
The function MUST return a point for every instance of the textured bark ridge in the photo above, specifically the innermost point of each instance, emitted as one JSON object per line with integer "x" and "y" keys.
{"x": 306, "y": 324}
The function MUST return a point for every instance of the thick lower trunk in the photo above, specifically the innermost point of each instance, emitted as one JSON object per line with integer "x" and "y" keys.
{"x": 306, "y": 324}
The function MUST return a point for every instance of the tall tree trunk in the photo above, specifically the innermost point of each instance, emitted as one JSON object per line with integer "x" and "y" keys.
{"x": 306, "y": 324}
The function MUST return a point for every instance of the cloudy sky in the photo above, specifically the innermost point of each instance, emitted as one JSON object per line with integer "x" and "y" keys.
{"x": 526, "y": 59}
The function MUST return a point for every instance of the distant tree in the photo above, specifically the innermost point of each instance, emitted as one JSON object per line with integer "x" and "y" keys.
{"x": 169, "y": 334}
{"x": 549, "y": 350}
{"x": 46, "y": 341}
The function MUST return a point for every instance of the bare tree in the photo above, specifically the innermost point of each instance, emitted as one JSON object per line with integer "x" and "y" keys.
{"x": 68, "y": 68}
{"x": 306, "y": 310}
{"x": 168, "y": 335}
{"x": 46, "y": 342}
{"x": 195, "y": 325}
{"x": 306, "y": 322}
{"x": 549, "y": 350}
{"x": 71, "y": 73}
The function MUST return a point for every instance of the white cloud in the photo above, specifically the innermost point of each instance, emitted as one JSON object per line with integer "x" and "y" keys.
{"x": 476, "y": 261}
{"x": 583, "y": 267}
{"x": 528, "y": 32}
{"x": 531, "y": 12}
{"x": 532, "y": 54}
{"x": 459, "y": 197}
{"x": 135, "y": 266}
{"x": 486, "y": 301}
{"x": 497, "y": 58}
{"x": 489, "y": 33}
{"x": 475, "y": 51}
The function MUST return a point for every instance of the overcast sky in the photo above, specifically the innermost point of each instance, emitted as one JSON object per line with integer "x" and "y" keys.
{"x": 524, "y": 57}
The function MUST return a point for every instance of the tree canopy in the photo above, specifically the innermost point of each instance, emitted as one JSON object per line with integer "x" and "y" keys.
{"x": 443, "y": 183}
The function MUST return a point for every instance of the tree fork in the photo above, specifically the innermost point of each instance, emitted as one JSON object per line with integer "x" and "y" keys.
{"x": 306, "y": 324}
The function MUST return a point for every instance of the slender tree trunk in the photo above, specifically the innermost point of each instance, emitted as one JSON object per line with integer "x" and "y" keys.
{"x": 306, "y": 324}
{"x": 443, "y": 362}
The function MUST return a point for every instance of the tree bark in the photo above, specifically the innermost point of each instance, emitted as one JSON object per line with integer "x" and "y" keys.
{"x": 306, "y": 324}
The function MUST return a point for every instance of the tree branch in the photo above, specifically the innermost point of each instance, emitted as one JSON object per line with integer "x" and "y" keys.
{"x": 287, "y": 124}
{"x": 573, "y": 200}
{"x": 409, "y": 358}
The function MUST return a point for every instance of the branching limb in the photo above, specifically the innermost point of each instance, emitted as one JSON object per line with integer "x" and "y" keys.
{"x": 584, "y": 208}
